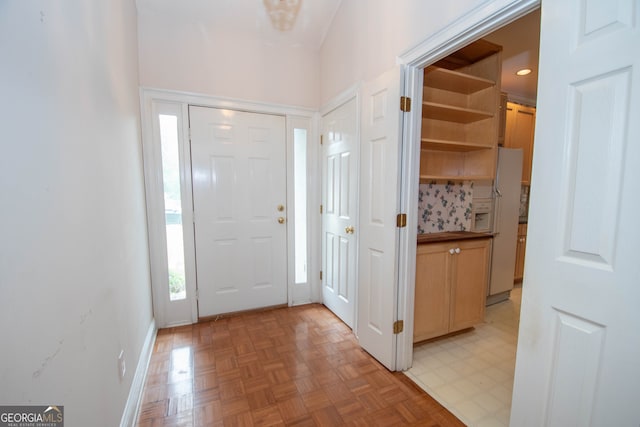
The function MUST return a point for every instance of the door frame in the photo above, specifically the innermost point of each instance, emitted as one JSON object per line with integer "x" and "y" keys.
{"x": 481, "y": 21}
{"x": 152, "y": 102}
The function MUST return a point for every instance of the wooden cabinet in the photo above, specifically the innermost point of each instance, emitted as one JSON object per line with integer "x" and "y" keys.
{"x": 519, "y": 133}
{"x": 460, "y": 115}
{"x": 451, "y": 283}
{"x": 520, "y": 252}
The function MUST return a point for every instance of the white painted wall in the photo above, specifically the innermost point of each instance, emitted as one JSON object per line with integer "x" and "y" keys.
{"x": 74, "y": 264}
{"x": 179, "y": 54}
{"x": 367, "y": 36}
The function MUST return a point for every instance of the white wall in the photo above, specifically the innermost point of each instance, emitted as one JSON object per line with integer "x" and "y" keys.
{"x": 199, "y": 57}
{"x": 74, "y": 274}
{"x": 367, "y": 36}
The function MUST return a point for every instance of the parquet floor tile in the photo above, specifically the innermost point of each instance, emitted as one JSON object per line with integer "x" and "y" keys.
{"x": 297, "y": 366}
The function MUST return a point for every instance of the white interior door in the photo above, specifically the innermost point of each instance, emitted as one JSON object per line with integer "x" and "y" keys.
{"x": 239, "y": 193}
{"x": 339, "y": 217}
{"x": 579, "y": 344}
{"x": 379, "y": 201}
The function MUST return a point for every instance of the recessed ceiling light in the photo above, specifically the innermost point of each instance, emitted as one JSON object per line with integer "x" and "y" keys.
{"x": 523, "y": 72}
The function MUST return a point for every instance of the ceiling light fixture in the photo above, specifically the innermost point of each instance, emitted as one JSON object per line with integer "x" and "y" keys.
{"x": 523, "y": 72}
{"x": 283, "y": 13}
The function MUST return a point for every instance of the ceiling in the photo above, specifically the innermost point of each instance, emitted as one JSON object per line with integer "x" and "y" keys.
{"x": 519, "y": 39}
{"x": 249, "y": 17}
{"x": 520, "y": 42}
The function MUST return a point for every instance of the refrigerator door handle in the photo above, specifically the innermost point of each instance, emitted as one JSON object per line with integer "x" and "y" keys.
{"x": 496, "y": 212}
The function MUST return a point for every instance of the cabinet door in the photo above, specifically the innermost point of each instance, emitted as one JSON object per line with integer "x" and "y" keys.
{"x": 431, "y": 313}
{"x": 520, "y": 252}
{"x": 519, "y": 133}
{"x": 469, "y": 277}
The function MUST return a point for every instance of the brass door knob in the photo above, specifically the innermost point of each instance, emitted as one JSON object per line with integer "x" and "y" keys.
{"x": 280, "y": 208}
{"x": 349, "y": 229}
{"x": 281, "y": 220}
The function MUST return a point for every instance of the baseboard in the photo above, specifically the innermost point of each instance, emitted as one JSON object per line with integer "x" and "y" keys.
{"x": 130, "y": 414}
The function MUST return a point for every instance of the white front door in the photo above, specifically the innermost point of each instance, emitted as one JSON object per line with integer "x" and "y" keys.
{"x": 578, "y": 359}
{"x": 339, "y": 217}
{"x": 379, "y": 202}
{"x": 239, "y": 193}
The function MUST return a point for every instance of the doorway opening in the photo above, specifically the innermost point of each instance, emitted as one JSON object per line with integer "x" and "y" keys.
{"x": 470, "y": 371}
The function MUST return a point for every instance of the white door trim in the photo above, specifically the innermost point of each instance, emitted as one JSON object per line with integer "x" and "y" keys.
{"x": 150, "y": 101}
{"x": 486, "y": 18}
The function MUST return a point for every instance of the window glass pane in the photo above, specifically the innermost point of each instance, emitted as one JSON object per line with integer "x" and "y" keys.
{"x": 172, "y": 205}
{"x": 300, "y": 198}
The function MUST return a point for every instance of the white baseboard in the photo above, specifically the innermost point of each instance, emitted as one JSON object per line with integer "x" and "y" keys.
{"x": 132, "y": 407}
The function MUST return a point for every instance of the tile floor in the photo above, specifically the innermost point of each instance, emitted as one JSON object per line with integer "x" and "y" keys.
{"x": 471, "y": 374}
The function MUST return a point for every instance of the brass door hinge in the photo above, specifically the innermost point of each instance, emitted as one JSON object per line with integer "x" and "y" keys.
{"x": 321, "y": 209}
{"x": 401, "y": 220}
{"x": 398, "y": 326}
{"x": 320, "y": 274}
{"x": 321, "y": 139}
{"x": 405, "y": 104}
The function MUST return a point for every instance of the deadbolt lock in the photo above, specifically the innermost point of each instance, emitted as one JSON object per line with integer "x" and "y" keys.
{"x": 280, "y": 208}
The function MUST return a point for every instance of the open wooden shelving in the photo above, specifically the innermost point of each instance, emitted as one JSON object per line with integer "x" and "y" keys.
{"x": 446, "y": 145}
{"x": 460, "y": 115}
{"x": 450, "y": 113}
{"x": 454, "y": 81}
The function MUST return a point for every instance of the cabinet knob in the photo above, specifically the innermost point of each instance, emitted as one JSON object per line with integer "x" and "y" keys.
{"x": 451, "y": 251}
{"x": 457, "y": 250}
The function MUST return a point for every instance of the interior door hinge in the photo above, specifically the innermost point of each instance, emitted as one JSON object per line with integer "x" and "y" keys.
{"x": 321, "y": 139}
{"x": 320, "y": 274}
{"x": 398, "y": 326}
{"x": 320, "y": 209}
{"x": 197, "y": 295}
{"x": 401, "y": 220}
{"x": 405, "y": 104}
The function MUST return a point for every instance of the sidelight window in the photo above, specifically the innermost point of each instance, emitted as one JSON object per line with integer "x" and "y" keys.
{"x": 172, "y": 206}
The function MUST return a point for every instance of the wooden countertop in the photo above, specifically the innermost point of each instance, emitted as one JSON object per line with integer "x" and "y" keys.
{"x": 451, "y": 235}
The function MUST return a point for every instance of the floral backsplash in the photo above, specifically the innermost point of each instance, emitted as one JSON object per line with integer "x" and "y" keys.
{"x": 444, "y": 207}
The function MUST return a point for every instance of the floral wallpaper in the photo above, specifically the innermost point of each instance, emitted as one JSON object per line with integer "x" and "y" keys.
{"x": 444, "y": 206}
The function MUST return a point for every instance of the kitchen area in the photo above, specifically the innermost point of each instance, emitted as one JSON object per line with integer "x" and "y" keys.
{"x": 475, "y": 170}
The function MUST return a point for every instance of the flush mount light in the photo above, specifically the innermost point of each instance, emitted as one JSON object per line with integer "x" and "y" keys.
{"x": 523, "y": 72}
{"x": 282, "y": 13}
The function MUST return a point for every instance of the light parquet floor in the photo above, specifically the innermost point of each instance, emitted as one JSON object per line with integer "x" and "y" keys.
{"x": 296, "y": 366}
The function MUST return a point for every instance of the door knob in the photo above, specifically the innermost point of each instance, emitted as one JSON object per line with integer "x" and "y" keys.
{"x": 280, "y": 208}
{"x": 349, "y": 229}
{"x": 281, "y": 220}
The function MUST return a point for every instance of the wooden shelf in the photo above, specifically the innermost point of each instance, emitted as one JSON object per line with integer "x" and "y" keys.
{"x": 448, "y": 113}
{"x": 453, "y": 81}
{"x": 446, "y": 145}
{"x": 429, "y": 178}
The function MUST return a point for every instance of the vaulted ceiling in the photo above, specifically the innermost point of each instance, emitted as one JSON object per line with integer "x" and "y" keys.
{"x": 251, "y": 18}
{"x": 519, "y": 39}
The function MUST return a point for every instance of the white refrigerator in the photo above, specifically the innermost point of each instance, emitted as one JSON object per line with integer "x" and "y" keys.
{"x": 505, "y": 223}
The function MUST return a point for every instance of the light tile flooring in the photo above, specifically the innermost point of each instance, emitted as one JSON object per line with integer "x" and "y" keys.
{"x": 471, "y": 374}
